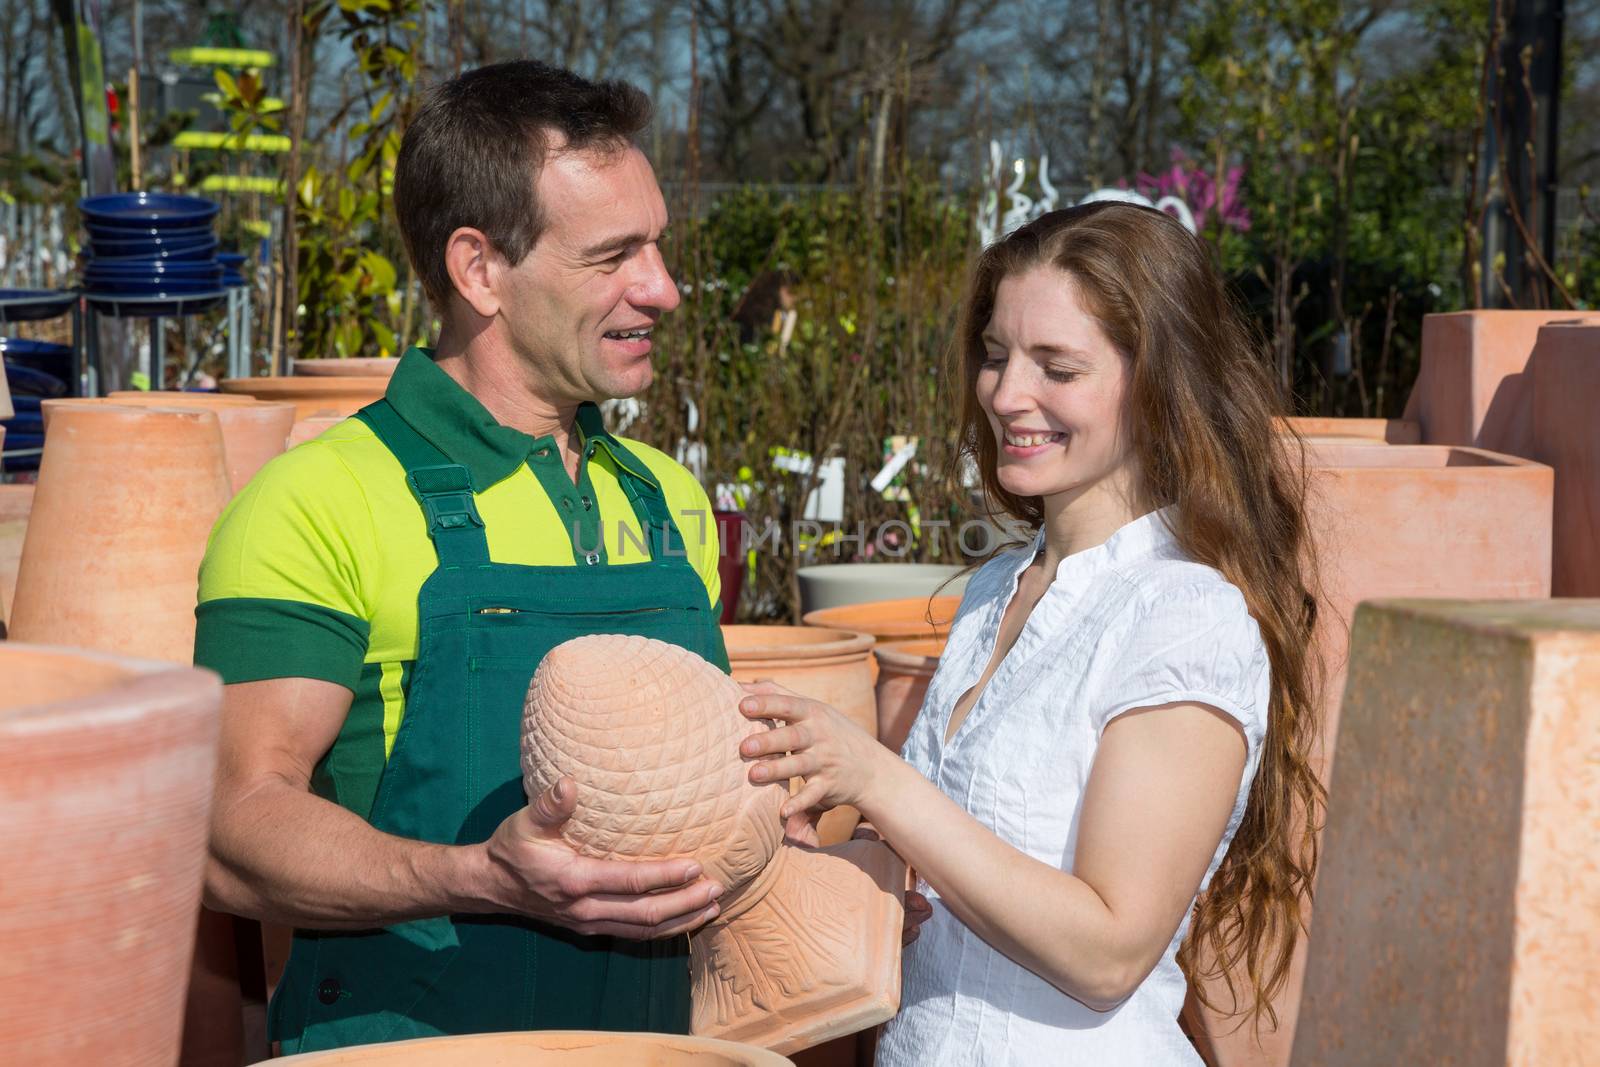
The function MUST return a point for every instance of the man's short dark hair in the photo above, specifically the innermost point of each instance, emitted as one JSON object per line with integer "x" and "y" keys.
{"x": 472, "y": 154}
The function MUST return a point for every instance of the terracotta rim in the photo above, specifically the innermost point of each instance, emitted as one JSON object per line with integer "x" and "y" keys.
{"x": 142, "y": 683}
{"x": 528, "y": 1044}
{"x": 788, "y": 643}
{"x": 330, "y": 383}
{"x": 1403, "y": 459}
{"x": 886, "y": 621}
{"x": 910, "y": 657}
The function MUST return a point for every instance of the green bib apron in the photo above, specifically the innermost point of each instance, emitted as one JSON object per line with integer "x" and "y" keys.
{"x": 454, "y": 774}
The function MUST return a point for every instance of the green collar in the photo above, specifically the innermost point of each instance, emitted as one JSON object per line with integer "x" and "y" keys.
{"x": 457, "y": 424}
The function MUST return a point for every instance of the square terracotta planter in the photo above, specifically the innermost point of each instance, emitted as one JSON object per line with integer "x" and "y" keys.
{"x": 1472, "y": 388}
{"x": 1566, "y": 435}
{"x": 1403, "y": 521}
{"x": 1458, "y": 915}
{"x": 1374, "y": 431}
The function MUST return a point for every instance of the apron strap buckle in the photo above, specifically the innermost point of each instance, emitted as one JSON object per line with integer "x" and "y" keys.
{"x": 445, "y": 493}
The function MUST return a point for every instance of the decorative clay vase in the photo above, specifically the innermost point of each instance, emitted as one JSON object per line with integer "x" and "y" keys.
{"x": 807, "y": 945}
{"x": 904, "y": 670}
{"x": 1400, "y": 521}
{"x": 106, "y": 767}
{"x": 1458, "y": 910}
{"x": 356, "y": 367}
{"x": 252, "y": 431}
{"x": 915, "y": 618}
{"x": 334, "y": 395}
{"x": 16, "y": 501}
{"x": 125, "y": 501}
{"x": 307, "y": 428}
{"x": 547, "y": 1048}
{"x": 833, "y": 666}
{"x": 832, "y": 585}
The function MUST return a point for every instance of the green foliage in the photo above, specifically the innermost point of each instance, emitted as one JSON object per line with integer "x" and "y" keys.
{"x": 353, "y": 300}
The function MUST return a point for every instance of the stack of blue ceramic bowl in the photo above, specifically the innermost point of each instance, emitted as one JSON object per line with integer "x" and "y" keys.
{"x": 151, "y": 254}
{"x": 233, "y": 269}
{"x": 35, "y": 371}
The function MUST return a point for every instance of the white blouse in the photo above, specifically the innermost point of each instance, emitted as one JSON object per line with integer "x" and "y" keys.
{"x": 1128, "y": 624}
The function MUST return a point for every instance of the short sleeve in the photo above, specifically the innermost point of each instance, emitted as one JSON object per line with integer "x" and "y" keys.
{"x": 1195, "y": 644}
{"x": 280, "y": 584}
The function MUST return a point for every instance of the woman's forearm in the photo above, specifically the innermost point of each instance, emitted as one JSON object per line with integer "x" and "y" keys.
{"x": 1054, "y": 924}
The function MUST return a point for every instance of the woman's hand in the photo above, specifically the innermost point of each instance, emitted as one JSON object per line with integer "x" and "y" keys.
{"x": 834, "y": 755}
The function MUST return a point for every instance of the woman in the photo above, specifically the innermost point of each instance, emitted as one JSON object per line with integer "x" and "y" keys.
{"x": 1119, "y": 701}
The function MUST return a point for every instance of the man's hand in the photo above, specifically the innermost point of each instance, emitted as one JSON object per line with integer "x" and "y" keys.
{"x": 536, "y": 873}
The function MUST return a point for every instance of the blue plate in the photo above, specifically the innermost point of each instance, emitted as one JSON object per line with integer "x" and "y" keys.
{"x": 25, "y": 405}
{"x": 123, "y": 305}
{"x": 138, "y": 210}
{"x": 25, "y": 381}
{"x": 231, "y": 259}
{"x": 20, "y": 442}
{"x": 33, "y": 422}
{"x": 153, "y": 268}
{"x": 167, "y": 235}
{"x": 57, "y": 366}
{"x": 146, "y": 287}
{"x": 234, "y": 280}
{"x": 163, "y": 253}
{"x": 29, "y": 305}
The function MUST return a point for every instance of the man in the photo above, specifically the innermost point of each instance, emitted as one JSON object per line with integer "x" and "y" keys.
{"x": 378, "y": 599}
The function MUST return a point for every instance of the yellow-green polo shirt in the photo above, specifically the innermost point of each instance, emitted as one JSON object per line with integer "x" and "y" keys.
{"x": 313, "y": 570}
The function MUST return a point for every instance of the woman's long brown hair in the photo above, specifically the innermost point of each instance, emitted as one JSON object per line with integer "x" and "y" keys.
{"x": 1202, "y": 412}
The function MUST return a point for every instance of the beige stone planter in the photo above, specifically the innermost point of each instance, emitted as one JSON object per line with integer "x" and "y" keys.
{"x": 16, "y": 501}
{"x": 125, "y": 501}
{"x": 908, "y": 619}
{"x": 834, "y": 585}
{"x": 252, "y": 431}
{"x": 558, "y": 1048}
{"x": 904, "y": 670}
{"x": 1458, "y": 915}
{"x": 105, "y": 787}
{"x": 1376, "y": 431}
{"x": 1471, "y": 388}
{"x": 832, "y": 666}
{"x": 361, "y": 367}
{"x": 1405, "y": 521}
{"x": 1566, "y": 435}
{"x": 312, "y": 395}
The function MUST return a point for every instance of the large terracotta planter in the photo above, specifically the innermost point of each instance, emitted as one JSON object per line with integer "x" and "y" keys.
{"x": 16, "y": 501}
{"x": 908, "y": 619}
{"x": 359, "y": 367}
{"x": 1458, "y": 915}
{"x": 1566, "y": 435}
{"x": 832, "y": 666}
{"x": 308, "y": 428}
{"x": 558, "y": 1048}
{"x": 106, "y": 767}
{"x": 1471, "y": 388}
{"x": 1377, "y": 431}
{"x": 125, "y": 501}
{"x": 1403, "y": 521}
{"x": 904, "y": 670}
{"x": 833, "y": 585}
{"x": 312, "y": 395}
{"x": 252, "y": 431}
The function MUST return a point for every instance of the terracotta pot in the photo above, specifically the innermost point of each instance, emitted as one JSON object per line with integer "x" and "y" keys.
{"x": 359, "y": 367}
{"x": 834, "y": 585}
{"x": 105, "y": 788}
{"x": 126, "y": 499}
{"x": 252, "y": 431}
{"x": 1458, "y": 914}
{"x": 559, "y": 1048}
{"x": 910, "y": 619}
{"x": 16, "y": 501}
{"x": 833, "y": 666}
{"x": 305, "y": 429}
{"x": 1377, "y": 431}
{"x": 904, "y": 670}
{"x": 312, "y": 395}
{"x": 1471, "y": 388}
{"x": 1566, "y": 406}
{"x": 1402, "y": 521}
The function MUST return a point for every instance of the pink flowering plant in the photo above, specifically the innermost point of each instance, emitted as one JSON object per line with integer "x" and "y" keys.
{"x": 1198, "y": 188}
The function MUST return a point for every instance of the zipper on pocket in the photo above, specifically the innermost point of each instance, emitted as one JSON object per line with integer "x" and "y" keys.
{"x": 499, "y": 611}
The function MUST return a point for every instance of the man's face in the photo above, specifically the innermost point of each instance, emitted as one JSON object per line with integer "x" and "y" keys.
{"x": 579, "y": 308}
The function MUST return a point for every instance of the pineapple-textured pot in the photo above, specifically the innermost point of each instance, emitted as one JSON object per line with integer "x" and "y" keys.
{"x": 807, "y": 944}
